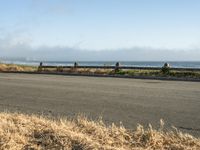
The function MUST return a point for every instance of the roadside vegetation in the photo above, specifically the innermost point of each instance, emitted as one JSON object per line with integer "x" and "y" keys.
{"x": 160, "y": 73}
{"x": 31, "y": 132}
{"x": 13, "y": 67}
{"x": 164, "y": 72}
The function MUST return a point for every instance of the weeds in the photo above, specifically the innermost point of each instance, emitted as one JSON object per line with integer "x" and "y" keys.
{"x": 164, "y": 72}
{"x": 19, "y": 131}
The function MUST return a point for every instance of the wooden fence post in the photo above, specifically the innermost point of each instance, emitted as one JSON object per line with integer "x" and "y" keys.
{"x": 40, "y": 67}
{"x": 75, "y": 65}
{"x": 117, "y": 66}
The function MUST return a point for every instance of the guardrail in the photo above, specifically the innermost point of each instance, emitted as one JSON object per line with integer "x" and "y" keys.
{"x": 116, "y": 67}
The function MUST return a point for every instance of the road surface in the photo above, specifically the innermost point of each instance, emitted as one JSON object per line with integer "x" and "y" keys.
{"x": 131, "y": 101}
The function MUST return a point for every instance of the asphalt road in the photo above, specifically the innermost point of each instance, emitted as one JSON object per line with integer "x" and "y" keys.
{"x": 131, "y": 101}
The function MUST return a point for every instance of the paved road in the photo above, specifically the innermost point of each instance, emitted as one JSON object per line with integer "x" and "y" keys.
{"x": 131, "y": 101}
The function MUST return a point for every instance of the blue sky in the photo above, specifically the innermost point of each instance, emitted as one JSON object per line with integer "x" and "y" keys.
{"x": 100, "y": 24}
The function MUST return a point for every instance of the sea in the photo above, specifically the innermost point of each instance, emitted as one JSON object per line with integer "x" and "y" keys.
{"x": 174, "y": 64}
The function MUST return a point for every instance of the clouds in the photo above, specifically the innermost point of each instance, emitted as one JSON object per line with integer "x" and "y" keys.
{"x": 99, "y": 25}
{"x": 18, "y": 44}
{"x": 57, "y": 53}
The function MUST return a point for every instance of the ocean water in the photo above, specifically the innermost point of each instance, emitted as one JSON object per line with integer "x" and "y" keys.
{"x": 175, "y": 64}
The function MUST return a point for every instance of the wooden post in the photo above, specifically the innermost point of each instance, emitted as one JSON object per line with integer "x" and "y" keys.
{"x": 117, "y": 66}
{"x": 75, "y": 65}
{"x": 40, "y": 67}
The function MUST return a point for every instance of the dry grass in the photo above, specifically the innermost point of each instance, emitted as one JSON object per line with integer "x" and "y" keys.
{"x": 18, "y": 131}
{"x": 100, "y": 71}
{"x": 13, "y": 67}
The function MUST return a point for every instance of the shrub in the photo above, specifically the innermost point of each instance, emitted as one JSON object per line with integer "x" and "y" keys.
{"x": 165, "y": 70}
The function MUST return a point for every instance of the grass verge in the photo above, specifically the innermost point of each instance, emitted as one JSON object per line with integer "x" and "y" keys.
{"x": 13, "y": 67}
{"x": 19, "y": 131}
{"x": 159, "y": 73}
{"x": 136, "y": 72}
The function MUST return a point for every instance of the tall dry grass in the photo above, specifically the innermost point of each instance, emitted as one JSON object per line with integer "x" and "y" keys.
{"x": 13, "y": 67}
{"x": 19, "y": 131}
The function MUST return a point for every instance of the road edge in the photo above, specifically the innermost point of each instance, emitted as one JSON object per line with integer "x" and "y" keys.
{"x": 107, "y": 76}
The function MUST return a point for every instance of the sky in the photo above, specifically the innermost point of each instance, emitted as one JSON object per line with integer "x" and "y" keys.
{"x": 100, "y": 29}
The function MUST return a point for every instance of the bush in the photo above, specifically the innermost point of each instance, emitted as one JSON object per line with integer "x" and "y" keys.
{"x": 120, "y": 72}
{"x": 165, "y": 70}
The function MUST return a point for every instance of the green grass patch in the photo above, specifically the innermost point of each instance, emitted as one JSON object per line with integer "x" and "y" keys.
{"x": 159, "y": 73}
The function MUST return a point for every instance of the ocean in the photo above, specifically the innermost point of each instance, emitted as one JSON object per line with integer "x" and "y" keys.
{"x": 174, "y": 64}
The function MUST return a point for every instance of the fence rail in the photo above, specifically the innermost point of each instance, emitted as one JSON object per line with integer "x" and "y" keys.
{"x": 117, "y": 66}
